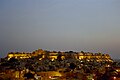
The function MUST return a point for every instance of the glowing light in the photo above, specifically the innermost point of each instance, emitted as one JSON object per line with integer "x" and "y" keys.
{"x": 88, "y": 60}
{"x": 114, "y": 77}
{"x": 50, "y": 77}
{"x": 40, "y": 58}
{"x": 108, "y": 65}
{"x": 52, "y": 59}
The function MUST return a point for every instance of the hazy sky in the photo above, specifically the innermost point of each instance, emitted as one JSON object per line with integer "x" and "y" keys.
{"x": 78, "y": 25}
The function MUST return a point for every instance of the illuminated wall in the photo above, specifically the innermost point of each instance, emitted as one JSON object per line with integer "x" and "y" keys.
{"x": 54, "y": 55}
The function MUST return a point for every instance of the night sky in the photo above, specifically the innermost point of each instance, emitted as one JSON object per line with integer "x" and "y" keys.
{"x": 60, "y": 25}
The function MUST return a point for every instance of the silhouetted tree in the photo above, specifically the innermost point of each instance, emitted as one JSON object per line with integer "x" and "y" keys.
{"x": 69, "y": 55}
{"x": 82, "y": 51}
{"x": 29, "y": 75}
{"x": 59, "y": 57}
{"x": 13, "y": 59}
{"x": 46, "y": 54}
{"x": 72, "y": 66}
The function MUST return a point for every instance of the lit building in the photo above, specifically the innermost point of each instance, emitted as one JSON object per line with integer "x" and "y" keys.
{"x": 18, "y": 55}
{"x": 52, "y": 55}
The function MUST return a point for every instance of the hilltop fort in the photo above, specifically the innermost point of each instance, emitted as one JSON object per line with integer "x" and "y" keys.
{"x": 52, "y": 55}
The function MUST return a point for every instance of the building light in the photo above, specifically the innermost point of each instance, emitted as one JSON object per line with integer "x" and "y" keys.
{"x": 52, "y": 59}
{"x": 79, "y": 58}
{"x": 108, "y": 65}
{"x": 114, "y": 77}
{"x": 40, "y": 58}
{"x": 88, "y": 60}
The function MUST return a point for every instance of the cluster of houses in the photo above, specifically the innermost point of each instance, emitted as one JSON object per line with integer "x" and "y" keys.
{"x": 47, "y": 65}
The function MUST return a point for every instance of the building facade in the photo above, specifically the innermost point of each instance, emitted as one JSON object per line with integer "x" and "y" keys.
{"x": 53, "y": 55}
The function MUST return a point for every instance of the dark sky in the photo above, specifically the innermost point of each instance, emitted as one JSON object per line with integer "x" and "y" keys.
{"x": 78, "y": 25}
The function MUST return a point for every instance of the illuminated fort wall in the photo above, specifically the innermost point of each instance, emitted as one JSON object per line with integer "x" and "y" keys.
{"x": 54, "y": 55}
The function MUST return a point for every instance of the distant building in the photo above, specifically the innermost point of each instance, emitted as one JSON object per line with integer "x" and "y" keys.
{"x": 19, "y": 55}
{"x": 52, "y": 55}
